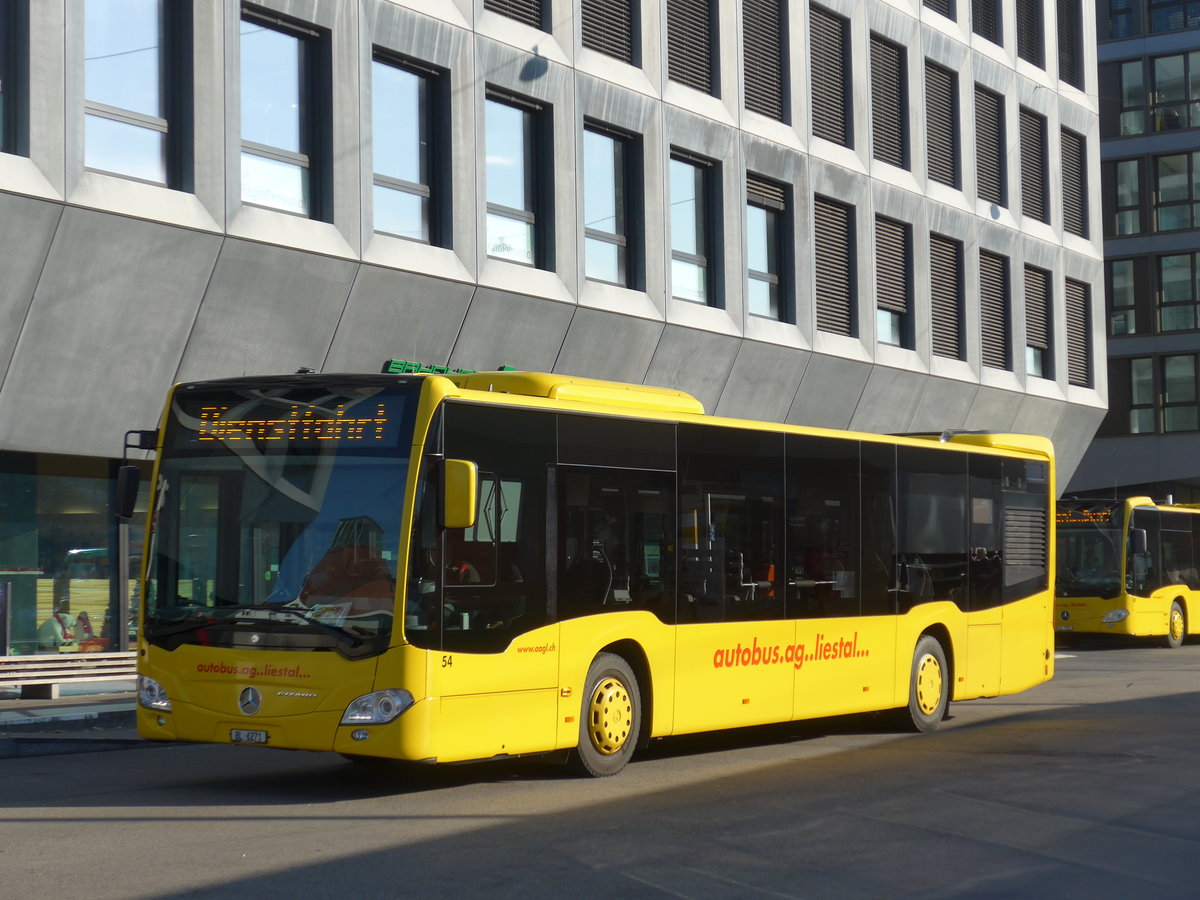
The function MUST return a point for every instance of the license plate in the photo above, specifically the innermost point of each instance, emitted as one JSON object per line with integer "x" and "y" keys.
{"x": 241, "y": 736}
{"x": 1065, "y": 628}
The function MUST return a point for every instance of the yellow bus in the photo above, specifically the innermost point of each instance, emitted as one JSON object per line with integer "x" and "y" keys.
{"x": 1128, "y": 567}
{"x": 450, "y": 566}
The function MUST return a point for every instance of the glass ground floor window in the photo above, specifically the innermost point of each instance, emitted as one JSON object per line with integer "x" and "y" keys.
{"x": 61, "y": 557}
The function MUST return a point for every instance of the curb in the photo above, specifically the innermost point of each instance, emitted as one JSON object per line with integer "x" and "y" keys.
{"x": 12, "y": 748}
{"x": 78, "y": 718}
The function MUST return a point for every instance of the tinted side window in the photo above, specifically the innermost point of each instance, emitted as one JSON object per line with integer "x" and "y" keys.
{"x": 984, "y": 567}
{"x": 730, "y": 524}
{"x": 822, "y": 527}
{"x": 1176, "y": 547}
{"x": 494, "y": 572}
{"x": 933, "y": 526}
{"x": 879, "y": 569}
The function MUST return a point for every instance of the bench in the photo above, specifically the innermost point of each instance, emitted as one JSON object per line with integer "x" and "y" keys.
{"x": 39, "y": 677}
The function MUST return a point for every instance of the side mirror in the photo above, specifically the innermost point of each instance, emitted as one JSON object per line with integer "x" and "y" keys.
{"x": 1137, "y": 539}
{"x": 127, "y": 490}
{"x": 460, "y": 487}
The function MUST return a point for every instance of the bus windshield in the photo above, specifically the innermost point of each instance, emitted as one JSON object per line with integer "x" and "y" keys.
{"x": 277, "y": 524}
{"x": 1089, "y": 549}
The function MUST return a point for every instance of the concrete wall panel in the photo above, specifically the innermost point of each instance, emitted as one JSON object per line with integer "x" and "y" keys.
{"x": 993, "y": 410}
{"x": 104, "y": 334}
{"x": 397, "y": 315}
{"x": 26, "y": 229}
{"x": 1074, "y": 434}
{"x": 829, "y": 392}
{"x": 608, "y": 345}
{"x": 943, "y": 404}
{"x": 888, "y": 400}
{"x": 763, "y": 382}
{"x": 508, "y": 329}
{"x": 698, "y": 362}
{"x": 267, "y": 310}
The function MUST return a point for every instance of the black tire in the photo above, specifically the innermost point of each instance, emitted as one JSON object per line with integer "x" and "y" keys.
{"x": 928, "y": 685}
{"x": 610, "y": 717}
{"x": 1176, "y": 625}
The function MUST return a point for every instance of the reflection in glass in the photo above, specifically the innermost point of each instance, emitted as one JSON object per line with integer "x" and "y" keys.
{"x": 688, "y": 281}
{"x": 400, "y": 146}
{"x": 272, "y": 100}
{"x": 887, "y": 327}
{"x": 270, "y": 182}
{"x": 509, "y": 238}
{"x": 121, "y": 54}
{"x": 762, "y": 261}
{"x": 604, "y": 207}
{"x": 401, "y": 213}
{"x": 687, "y": 222}
{"x": 508, "y": 149}
{"x": 1141, "y": 376}
{"x": 125, "y": 149}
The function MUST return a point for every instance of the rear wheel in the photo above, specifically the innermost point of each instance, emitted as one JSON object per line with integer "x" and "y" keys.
{"x": 1176, "y": 625}
{"x": 610, "y": 717}
{"x": 929, "y": 685}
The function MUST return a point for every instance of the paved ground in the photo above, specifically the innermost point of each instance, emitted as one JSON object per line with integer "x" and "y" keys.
{"x": 86, "y": 717}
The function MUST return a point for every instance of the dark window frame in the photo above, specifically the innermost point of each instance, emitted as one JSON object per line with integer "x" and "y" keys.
{"x": 1035, "y": 174}
{"x": 834, "y": 282}
{"x": 14, "y": 77}
{"x": 889, "y": 102}
{"x": 942, "y": 137}
{"x": 629, "y": 205}
{"x": 1039, "y": 323}
{"x": 995, "y": 310}
{"x": 612, "y": 27}
{"x": 539, "y": 178}
{"x": 829, "y": 60}
{"x": 694, "y": 60}
{"x": 773, "y": 197}
{"x": 1074, "y": 183}
{"x": 708, "y": 222}
{"x": 947, "y": 290}
{"x": 1078, "y": 304}
{"x": 765, "y": 58}
{"x": 991, "y": 154}
{"x": 528, "y": 12}
{"x": 894, "y": 286}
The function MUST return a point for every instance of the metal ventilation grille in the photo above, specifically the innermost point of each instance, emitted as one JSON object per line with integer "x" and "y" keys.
{"x": 1037, "y": 308}
{"x": 893, "y": 250}
{"x": 1074, "y": 196}
{"x": 939, "y": 124}
{"x": 993, "y": 309}
{"x": 834, "y": 257}
{"x": 985, "y": 19}
{"x": 762, "y": 49}
{"x": 690, "y": 43}
{"x": 1033, "y": 165}
{"x": 1029, "y": 31}
{"x": 607, "y": 27}
{"x": 945, "y": 294}
{"x": 1026, "y": 532}
{"x": 989, "y": 145}
{"x": 1078, "y": 355}
{"x": 527, "y": 11}
{"x": 828, "y": 45}
{"x": 945, "y": 7}
{"x": 765, "y": 193}
{"x": 1070, "y": 67}
{"x": 888, "y": 105}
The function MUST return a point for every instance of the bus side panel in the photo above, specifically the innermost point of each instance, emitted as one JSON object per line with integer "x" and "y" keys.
{"x": 734, "y": 673}
{"x": 843, "y": 665}
{"x": 584, "y": 637}
{"x": 978, "y": 672}
{"x": 1028, "y": 643}
{"x": 492, "y": 704}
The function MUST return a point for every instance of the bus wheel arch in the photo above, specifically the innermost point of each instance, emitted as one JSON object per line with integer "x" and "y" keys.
{"x": 1177, "y": 624}
{"x": 930, "y": 681}
{"x": 611, "y": 716}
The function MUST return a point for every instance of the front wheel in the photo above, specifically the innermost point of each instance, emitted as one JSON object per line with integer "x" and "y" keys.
{"x": 929, "y": 685}
{"x": 610, "y": 717}
{"x": 1176, "y": 625}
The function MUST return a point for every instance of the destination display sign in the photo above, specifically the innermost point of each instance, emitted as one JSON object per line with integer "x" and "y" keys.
{"x": 1102, "y": 515}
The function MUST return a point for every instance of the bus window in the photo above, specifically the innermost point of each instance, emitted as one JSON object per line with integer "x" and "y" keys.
{"x": 984, "y": 565}
{"x": 730, "y": 524}
{"x": 933, "y": 526}
{"x": 1176, "y": 541}
{"x": 879, "y": 585}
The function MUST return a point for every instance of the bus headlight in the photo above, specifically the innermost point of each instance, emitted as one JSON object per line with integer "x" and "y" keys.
{"x": 1116, "y": 615}
{"x": 151, "y": 694}
{"x": 377, "y": 708}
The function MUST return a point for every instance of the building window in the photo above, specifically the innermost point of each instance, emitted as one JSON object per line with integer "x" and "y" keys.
{"x": 1039, "y": 314}
{"x": 893, "y": 282}
{"x": 1175, "y": 191}
{"x": 764, "y": 24}
{"x": 693, "y": 235}
{"x": 518, "y": 226}
{"x": 125, "y": 107}
{"x": 990, "y": 172}
{"x": 1029, "y": 31}
{"x": 994, "y": 310}
{"x": 1079, "y": 331}
{"x": 1122, "y": 293}
{"x": 1141, "y": 396}
{"x": 985, "y": 19}
{"x": 1074, "y": 183}
{"x": 526, "y": 11}
{"x": 607, "y": 27}
{"x": 14, "y": 27}
{"x": 1033, "y": 166}
{"x": 1173, "y": 15}
{"x": 1133, "y": 97}
{"x": 1175, "y": 95}
{"x": 941, "y": 116}
{"x": 692, "y": 44}
{"x": 1123, "y": 19}
{"x": 766, "y": 231}
{"x": 945, "y": 7}
{"x": 608, "y": 194}
{"x": 1179, "y": 393}
{"x": 946, "y": 295}
{"x": 1177, "y": 292}
{"x": 1070, "y": 48}
{"x": 1127, "y": 214}
{"x": 889, "y": 103}
{"x": 404, "y": 150}
{"x": 830, "y": 75}
{"x": 282, "y": 122}
{"x": 833, "y": 234}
